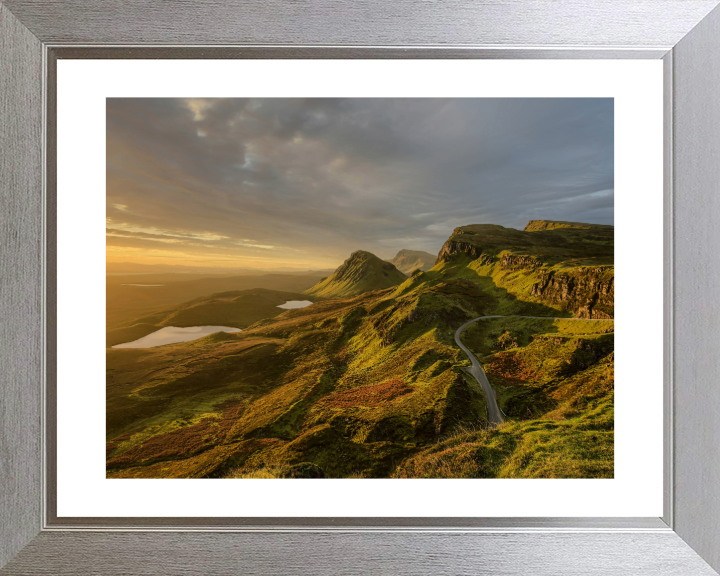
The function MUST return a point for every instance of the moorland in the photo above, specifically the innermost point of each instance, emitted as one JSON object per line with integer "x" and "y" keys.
{"x": 368, "y": 381}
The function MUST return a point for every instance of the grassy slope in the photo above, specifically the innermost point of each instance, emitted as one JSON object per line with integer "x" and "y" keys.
{"x": 509, "y": 262}
{"x": 321, "y": 384}
{"x": 506, "y": 292}
{"x": 579, "y": 246}
{"x": 362, "y": 272}
{"x": 365, "y": 386}
{"x": 372, "y": 386}
{"x": 554, "y": 381}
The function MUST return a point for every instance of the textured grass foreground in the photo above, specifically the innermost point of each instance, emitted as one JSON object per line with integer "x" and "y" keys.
{"x": 580, "y": 447}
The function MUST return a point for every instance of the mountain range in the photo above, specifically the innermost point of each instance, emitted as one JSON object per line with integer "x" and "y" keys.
{"x": 368, "y": 381}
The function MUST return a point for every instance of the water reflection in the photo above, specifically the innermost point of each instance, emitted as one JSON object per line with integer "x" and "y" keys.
{"x": 290, "y": 304}
{"x": 172, "y": 334}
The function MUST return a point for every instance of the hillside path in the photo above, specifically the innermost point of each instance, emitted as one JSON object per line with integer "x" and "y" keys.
{"x": 495, "y": 415}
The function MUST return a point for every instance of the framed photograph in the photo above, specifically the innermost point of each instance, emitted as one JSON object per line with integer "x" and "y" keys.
{"x": 355, "y": 273}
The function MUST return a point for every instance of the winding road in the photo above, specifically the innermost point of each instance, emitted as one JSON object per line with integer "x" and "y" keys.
{"x": 495, "y": 415}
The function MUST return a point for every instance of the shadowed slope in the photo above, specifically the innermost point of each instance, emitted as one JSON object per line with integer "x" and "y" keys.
{"x": 565, "y": 265}
{"x": 373, "y": 384}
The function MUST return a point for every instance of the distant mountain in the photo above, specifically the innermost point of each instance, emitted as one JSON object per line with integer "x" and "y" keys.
{"x": 407, "y": 261}
{"x": 362, "y": 272}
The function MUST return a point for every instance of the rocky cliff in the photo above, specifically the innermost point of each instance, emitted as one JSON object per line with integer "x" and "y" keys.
{"x": 451, "y": 248}
{"x": 587, "y": 292}
{"x": 543, "y": 239}
{"x": 568, "y": 265}
{"x": 515, "y": 262}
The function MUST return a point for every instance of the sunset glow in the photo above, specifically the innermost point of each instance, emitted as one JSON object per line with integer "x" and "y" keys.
{"x": 301, "y": 183}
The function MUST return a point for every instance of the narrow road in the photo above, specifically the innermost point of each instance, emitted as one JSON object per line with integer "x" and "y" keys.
{"x": 495, "y": 415}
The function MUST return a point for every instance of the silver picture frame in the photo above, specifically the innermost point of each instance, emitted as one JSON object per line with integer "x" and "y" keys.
{"x": 684, "y": 34}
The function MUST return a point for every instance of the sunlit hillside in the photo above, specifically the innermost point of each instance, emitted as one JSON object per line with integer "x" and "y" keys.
{"x": 368, "y": 380}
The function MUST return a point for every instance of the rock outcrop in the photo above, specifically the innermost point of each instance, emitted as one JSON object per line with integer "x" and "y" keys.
{"x": 514, "y": 262}
{"x": 588, "y": 292}
{"x": 538, "y": 252}
{"x": 453, "y": 247}
{"x": 541, "y": 238}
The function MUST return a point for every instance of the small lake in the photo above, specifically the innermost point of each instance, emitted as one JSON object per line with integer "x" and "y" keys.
{"x": 172, "y": 335}
{"x": 291, "y": 304}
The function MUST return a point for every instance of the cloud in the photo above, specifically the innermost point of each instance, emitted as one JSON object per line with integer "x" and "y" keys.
{"x": 315, "y": 179}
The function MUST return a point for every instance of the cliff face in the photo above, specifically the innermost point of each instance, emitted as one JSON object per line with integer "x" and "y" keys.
{"x": 515, "y": 262}
{"x": 454, "y": 246}
{"x": 543, "y": 239}
{"x": 583, "y": 253}
{"x": 588, "y": 292}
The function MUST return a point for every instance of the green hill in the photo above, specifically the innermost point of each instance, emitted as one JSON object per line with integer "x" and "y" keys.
{"x": 362, "y": 272}
{"x": 407, "y": 261}
{"x": 592, "y": 244}
{"x": 372, "y": 385}
{"x": 567, "y": 266}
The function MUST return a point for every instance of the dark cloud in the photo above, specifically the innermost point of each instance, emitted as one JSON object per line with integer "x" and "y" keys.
{"x": 310, "y": 180}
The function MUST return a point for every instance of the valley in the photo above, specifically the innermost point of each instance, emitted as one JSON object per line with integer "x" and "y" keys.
{"x": 384, "y": 372}
{"x": 126, "y": 301}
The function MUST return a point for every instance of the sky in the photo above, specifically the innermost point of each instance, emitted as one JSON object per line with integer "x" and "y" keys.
{"x": 276, "y": 183}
